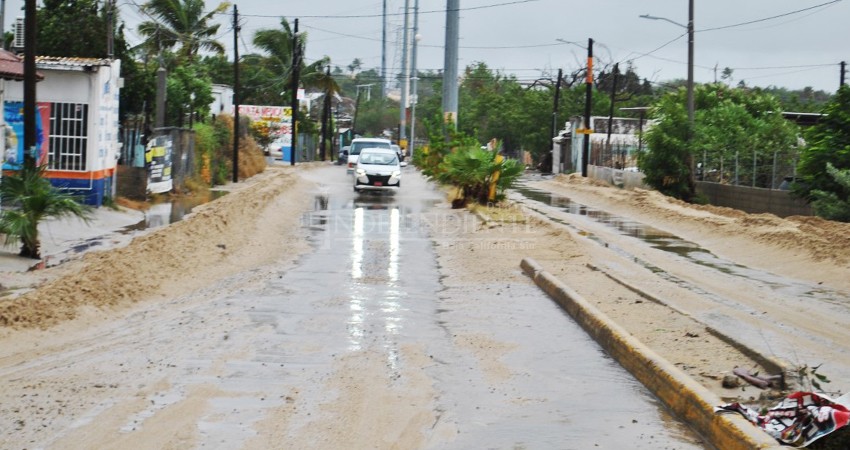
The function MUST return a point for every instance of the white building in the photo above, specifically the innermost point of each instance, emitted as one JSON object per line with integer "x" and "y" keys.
{"x": 78, "y": 121}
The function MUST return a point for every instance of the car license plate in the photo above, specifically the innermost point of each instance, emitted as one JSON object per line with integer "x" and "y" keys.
{"x": 379, "y": 183}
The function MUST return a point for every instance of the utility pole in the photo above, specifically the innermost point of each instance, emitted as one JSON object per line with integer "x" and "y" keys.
{"x": 415, "y": 96}
{"x": 356, "y": 110}
{"x": 557, "y": 101}
{"x": 450, "y": 84}
{"x": 611, "y": 109}
{"x": 3, "y": 22}
{"x": 235, "y": 95}
{"x": 405, "y": 79}
{"x": 30, "y": 133}
{"x": 692, "y": 187}
{"x": 110, "y": 33}
{"x": 296, "y": 67}
{"x": 326, "y": 113}
{"x": 843, "y": 73}
{"x": 384, "y": 54}
{"x": 588, "y": 99}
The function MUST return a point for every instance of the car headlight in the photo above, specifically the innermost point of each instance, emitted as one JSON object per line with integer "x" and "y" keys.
{"x": 361, "y": 173}
{"x": 396, "y": 174}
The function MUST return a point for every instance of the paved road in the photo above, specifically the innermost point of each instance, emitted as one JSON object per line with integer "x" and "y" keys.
{"x": 360, "y": 345}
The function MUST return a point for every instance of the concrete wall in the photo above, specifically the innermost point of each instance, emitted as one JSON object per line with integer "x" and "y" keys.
{"x": 746, "y": 198}
{"x": 754, "y": 200}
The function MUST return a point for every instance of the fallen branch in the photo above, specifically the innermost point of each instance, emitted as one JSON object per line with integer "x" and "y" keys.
{"x": 757, "y": 381}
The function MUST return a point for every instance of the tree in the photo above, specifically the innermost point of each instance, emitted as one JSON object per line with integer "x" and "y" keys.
{"x": 83, "y": 19}
{"x": 188, "y": 91}
{"x": 833, "y": 205}
{"x": 28, "y": 199}
{"x": 183, "y": 24}
{"x": 279, "y": 46}
{"x": 89, "y": 24}
{"x": 727, "y": 122}
{"x": 828, "y": 142}
{"x": 355, "y": 66}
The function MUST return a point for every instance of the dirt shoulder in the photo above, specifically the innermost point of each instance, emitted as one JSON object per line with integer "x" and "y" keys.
{"x": 670, "y": 320}
{"x": 239, "y": 230}
{"x": 804, "y": 247}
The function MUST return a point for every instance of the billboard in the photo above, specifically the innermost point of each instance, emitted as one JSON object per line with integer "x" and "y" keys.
{"x": 278, "y": 120}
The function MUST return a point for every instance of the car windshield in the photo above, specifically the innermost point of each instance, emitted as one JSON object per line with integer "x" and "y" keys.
{"x": 357, "y": 147}
{"x": 380, "y": 159}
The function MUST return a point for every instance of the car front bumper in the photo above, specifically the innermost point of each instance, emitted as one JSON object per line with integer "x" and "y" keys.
{"x": 377, "y": 182}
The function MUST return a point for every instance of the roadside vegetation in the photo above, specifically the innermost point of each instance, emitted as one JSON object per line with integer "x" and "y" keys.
{"x": 824, "y": 170}
{"x": 28, "y": 199}
{"x": 729, "y": 124}
{"x": 181, "y": 37}
{"x": 479, "y": 175}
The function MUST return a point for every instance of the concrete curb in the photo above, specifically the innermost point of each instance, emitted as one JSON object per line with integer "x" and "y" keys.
{"x": 690, "y": 401}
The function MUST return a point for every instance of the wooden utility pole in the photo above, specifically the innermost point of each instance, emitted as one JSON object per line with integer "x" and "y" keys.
{"x": 235, "y": 95}
{"x": 30, "y": 133}
{"x": 843, "y": 73}
{"x": 588, "y": 100}
{"x": 296, "y": 66}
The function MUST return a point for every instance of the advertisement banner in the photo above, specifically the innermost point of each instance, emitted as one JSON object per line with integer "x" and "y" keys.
{"x": 278, "y": 121}
{"x": 158, "y": 159}
{"x": 13, "y": 115}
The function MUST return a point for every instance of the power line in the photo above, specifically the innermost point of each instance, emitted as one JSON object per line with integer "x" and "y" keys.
{"x": 369, "y": 16}
{"x": 769, "y": 18}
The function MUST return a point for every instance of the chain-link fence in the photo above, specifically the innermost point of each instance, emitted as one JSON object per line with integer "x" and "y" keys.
{"x": 770, "y": 170}
{"x": 618, "y": 154}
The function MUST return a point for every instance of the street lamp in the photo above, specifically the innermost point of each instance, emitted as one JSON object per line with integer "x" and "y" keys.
{"x": 690, "y": 28}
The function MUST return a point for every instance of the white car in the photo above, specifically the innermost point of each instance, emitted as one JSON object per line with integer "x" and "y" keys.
{"x": 377, "y": 169}
{"x": 357, "y": 146}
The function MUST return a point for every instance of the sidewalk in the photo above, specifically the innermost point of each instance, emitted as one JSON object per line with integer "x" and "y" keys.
{"x": 62, "y": 239}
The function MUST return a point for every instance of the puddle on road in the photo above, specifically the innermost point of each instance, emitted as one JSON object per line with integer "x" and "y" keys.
{"x": 668, "y": 242}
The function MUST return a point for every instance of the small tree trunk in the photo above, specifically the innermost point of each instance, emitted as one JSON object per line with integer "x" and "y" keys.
{"x": 31, "y": 248}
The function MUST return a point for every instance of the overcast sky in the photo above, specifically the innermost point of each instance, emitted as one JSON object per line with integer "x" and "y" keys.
{"x": 765, "y": 42}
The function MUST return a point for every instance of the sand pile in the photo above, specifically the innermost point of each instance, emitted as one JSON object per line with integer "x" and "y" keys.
{"x": 218, "y": 238}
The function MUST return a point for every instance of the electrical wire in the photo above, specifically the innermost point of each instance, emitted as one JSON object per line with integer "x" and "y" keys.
{"x": 369, "y": 16}
{"x": 768, "y": 18}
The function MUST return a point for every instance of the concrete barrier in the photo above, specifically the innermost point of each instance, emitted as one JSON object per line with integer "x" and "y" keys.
{"x": 689, "y": 400}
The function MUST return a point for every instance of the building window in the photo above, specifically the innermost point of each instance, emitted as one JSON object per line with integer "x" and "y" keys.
{"x": 68, "y": 136}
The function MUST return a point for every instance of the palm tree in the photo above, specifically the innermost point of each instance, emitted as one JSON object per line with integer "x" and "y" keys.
{"x": 181, "y": 23}
{"x": 279, "y": 46}
{"x": 28, "y": 199}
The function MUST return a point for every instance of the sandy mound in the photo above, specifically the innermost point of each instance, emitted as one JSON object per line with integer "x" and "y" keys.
{"x": 218, "y": 238}
{"x": 781, "y": 241}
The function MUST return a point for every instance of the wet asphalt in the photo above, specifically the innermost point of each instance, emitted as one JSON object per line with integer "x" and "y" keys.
{"x": 373, "y": 283}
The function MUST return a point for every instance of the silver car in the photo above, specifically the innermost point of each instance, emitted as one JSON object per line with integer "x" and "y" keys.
{"x": 359, "y": 144}
{"x": 377, "y": 170}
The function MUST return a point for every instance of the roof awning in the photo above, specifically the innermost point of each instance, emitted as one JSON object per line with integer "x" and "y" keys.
{"x": 12, "y": 67}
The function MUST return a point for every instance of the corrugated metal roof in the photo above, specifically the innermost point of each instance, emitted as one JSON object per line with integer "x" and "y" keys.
{"x": 70, "y": 62}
